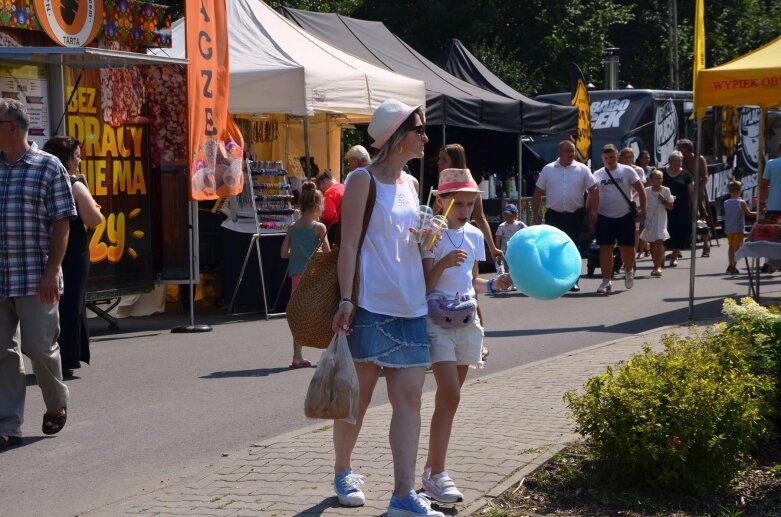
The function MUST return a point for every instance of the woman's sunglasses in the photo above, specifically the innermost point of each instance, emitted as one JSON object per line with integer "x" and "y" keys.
{"x": 420, "y": 130}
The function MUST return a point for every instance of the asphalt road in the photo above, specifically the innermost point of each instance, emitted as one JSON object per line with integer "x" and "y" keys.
{"x": 155, "y": 406}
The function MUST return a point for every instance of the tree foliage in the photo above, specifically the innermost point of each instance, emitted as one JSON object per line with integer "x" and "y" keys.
{"x": 529, "y": 44}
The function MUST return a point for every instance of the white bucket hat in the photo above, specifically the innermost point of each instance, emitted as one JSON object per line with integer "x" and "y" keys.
{"x": 386, "y": 120}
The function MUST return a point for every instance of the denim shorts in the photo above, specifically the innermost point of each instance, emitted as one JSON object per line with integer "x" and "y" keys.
{"x": 389, "y": 340}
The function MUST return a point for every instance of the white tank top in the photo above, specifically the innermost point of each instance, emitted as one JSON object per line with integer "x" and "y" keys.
{"x": 392, "y": 281}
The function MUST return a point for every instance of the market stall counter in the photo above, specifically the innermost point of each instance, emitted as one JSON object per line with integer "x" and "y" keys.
{"x": 247, "y": 296}
{"x": 764, "y": 241}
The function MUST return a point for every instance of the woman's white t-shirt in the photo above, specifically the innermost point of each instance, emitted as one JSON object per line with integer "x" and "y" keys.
{"x": 392, "y": 281}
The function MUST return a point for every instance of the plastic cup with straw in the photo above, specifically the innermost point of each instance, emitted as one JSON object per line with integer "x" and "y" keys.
{"x": 435, "y": 226}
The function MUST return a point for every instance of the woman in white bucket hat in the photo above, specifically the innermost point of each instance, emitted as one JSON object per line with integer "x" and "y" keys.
{"x": 388, "y": 332}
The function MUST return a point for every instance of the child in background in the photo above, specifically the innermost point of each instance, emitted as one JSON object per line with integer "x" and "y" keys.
{"x": 654, "y": 228}
{"x": 508, "y": 228}
{"x": 454, "y": 330}
{"x": 735, "y": 212}
{"x": 301, "y": 241}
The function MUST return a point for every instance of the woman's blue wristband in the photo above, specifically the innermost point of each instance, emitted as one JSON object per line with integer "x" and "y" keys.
{"x": 490, "y": 287}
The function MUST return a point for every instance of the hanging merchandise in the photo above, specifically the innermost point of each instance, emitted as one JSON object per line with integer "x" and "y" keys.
{"x": 265, "y": 131}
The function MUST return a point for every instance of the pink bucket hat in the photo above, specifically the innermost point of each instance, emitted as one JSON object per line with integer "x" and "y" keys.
{"x": 386, "y": 120}
{"x": 456, "y": 180}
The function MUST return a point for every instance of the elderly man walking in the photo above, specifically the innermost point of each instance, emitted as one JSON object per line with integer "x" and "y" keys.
{"x": 36, "y": 206}
{"x": 565, "y": 183}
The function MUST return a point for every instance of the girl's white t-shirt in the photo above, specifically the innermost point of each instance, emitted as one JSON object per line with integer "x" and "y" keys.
{"x": 457, "y": 280}
{"x": 392, "y": 281}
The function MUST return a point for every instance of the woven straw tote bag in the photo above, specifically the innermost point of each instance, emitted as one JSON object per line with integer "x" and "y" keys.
{"x": 313, "y": 304}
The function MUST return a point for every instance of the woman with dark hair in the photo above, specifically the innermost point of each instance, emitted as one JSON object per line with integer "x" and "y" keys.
{"x": 74, "y": 332}
{"x": 388, "y": 332}
{"x": 453, "y": 156}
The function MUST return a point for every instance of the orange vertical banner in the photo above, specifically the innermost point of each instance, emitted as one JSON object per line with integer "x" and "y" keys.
{"x": 215, "y": 140}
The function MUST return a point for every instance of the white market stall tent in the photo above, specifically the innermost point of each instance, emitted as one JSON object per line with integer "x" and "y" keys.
{"x": 279, "y": 71}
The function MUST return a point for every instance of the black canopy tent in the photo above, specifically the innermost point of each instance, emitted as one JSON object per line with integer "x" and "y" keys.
{"x": 450, "y": 101}
{"x": 538, "y": 117}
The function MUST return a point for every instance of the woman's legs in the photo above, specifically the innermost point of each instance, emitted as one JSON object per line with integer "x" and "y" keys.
{"x": 450, "y": 378}
{"x": 345, "y": 434}
{"x": 405, "y": 387}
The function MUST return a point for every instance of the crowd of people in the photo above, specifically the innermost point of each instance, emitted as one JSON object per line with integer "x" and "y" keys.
{"x": 418, "y": 307}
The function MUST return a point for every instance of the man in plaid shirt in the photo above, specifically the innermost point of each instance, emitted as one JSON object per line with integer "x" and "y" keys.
{"x": 35, "y": 210}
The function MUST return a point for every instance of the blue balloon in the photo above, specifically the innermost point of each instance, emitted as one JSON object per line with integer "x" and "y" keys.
{"x": 544, "y": 262}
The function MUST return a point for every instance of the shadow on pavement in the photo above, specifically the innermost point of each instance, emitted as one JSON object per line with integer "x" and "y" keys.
{"x": 318, "y": 509}
{"x": 259, "y": 372}
{"x": 703, "y": 311}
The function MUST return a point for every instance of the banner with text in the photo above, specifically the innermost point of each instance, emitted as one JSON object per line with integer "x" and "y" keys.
{"x": 580, "y": 100}
{"x": 115, "y": 161}
{"x": 216, "y": 143}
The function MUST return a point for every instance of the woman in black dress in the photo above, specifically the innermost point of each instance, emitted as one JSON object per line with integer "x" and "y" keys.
{"x": 74, "y": 333}
{"x": 679, "y": 223}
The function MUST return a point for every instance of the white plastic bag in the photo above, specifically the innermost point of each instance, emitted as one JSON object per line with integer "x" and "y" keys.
{"x": 333, "y": 390}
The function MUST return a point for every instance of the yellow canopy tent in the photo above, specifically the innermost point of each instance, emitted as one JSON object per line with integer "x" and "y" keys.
{"x": 753, "y": 79}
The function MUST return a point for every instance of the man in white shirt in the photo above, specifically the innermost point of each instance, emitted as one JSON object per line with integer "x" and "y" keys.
{"x": 564, "y": 182}
{"x": 609, "y": 209}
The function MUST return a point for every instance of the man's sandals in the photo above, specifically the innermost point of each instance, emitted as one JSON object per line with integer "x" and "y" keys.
{"x": 10, "y": 441}
{"x": 53, "y": 424}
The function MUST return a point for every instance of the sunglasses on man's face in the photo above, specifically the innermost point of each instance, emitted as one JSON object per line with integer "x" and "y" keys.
{"x": 420, "y": 129}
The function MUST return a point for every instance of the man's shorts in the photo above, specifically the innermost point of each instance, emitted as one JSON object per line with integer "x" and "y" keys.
{"x": 735, "y": 240}
{"x": 464, "y": 346}
{"x": 610, "y": 230}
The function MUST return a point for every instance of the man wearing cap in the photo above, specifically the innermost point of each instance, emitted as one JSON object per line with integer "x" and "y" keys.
{"x": 333, "y": 192}
{"x": 564, "y": 183}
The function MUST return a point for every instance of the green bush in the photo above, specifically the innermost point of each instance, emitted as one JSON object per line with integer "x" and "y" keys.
{"x": 759, "y": 328}
{"x": 683, "y": 419}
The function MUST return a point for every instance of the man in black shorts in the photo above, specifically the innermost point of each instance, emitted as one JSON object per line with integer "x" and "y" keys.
{"x": 609, "y": 208}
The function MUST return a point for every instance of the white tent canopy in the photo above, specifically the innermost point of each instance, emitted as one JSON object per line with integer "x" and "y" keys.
{"x": 276, "y": 67}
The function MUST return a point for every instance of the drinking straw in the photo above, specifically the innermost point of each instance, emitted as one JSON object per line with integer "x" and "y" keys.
{"x": 441, "y": 223}
{"x": 431, "y": 191}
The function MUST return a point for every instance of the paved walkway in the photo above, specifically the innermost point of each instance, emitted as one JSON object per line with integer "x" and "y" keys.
{"x": 507, "y": 424}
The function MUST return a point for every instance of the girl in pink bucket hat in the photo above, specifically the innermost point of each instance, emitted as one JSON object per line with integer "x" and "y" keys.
{"x": 388, "y": 330}
{"x": 454, "y": 327}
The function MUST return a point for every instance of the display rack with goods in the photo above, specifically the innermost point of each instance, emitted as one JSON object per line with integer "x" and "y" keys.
{"x": 267, "y": 194}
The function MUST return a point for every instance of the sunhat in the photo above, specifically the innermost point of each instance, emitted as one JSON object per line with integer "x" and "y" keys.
{"x": 386, "y": 120}
{"x": 456, "y": 180}
{"x": 510, "y": 209}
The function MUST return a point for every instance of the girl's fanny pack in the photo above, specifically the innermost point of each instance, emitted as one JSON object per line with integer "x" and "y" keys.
{"x": 452, "y": 313}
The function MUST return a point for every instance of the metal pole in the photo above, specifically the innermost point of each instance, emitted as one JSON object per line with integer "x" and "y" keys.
{"x": 306, "y": 147}
{"x": 761, "y": 161}
{"x": 193, "y": 229}
{"x": 695, "y": 212}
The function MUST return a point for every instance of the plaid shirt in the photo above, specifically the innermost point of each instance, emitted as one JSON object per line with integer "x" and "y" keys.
{"x": 34, "y": 193}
